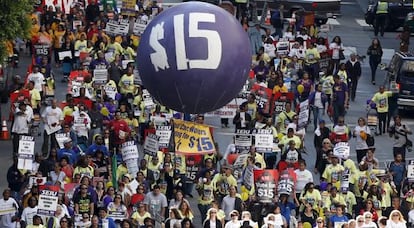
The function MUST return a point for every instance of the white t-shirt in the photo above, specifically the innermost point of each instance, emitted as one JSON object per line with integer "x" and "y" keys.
{"x": 302, "y": 178}
{"x": 27, "y": 215}
{"x": 318, "y": 100}
{"x": 360, "y": 143}
{"x": 52, "y": 116}
{"x": 38, "y": 80}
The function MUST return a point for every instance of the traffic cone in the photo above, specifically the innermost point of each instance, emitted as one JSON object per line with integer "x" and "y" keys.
{"x": 4, "y": 131}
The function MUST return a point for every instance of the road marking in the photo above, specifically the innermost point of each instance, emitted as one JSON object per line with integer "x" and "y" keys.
{"x": 387, "y": 53}
{"x": 332, "y": 21}
{"x": 348, "y": 3}
{"x": 362, "y": 22}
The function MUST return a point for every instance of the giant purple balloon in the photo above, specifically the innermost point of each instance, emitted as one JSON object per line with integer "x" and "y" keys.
{"x": 194, "y": 57}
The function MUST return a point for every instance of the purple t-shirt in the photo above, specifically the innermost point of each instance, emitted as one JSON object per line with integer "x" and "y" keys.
{"x": 339, "y": 90}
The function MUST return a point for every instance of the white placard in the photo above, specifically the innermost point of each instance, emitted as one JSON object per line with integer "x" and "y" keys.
{"x": 130, "y": 156}
{"x": 64, "y": 54}
{"x": 110, "y": 91}
{"x": 61, "y": 138}
{"x": 303, "y": 114}
{"x": 151, "y": 145}
{"x": 125, "y": 63}
{"x": 7, "y": 208}
{"x": 243, "y": 140}
{"x": 341, "y": 150}
{"x": 139, "y": 26}
{"x": 100, "y": 76}
{"x": 263, "y": 140}
{"x": 248, "y": 177}
{"x": 79, "y": 122}
{"x": 117, "y": 27}
{"x": 164, "y": 134}
{"x": 117, "y": 215}
{"x": 48, "y": 201}
{"x": 410, "y": 170}
{"x": 146, "y": 97}
{"x": 26, "y": 153}
{"x": 137, "y": 78}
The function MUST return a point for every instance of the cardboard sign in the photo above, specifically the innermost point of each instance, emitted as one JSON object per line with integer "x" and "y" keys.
{"x": 263, "y": 140}
{"x": 265, "y": 182}
{"x": 164, "y": 134}
{"x": 341, "y": 150}
{"x": 151, "y": 145}
{"x": 130, "y": 156}
{"x": 117, "y": 27}
{"x": 192, "y": 138}
{"x": 243, "y": 140}
{"x": 140, "y": 26}
{"x": 26, "y": 152}
{"x": 48, "y": 201}
{"x": 100, "y": 76}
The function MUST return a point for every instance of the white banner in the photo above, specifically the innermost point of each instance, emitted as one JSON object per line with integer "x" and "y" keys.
{"x": 147, "y": 98}
{"x": 26, "y": 153}
{"x": 110, "y": 91}
{"x": 61, "y": 138}
{"x": 243, "y": 140}
{"x": 129, "y": 151}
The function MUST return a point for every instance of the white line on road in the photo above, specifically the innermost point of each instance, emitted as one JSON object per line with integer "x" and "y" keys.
{"x": 362, "y": 22}
{"x": 332, "y": 21}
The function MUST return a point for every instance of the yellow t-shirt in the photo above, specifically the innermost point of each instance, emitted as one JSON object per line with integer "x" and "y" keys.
{"x": 381, "y": 99}
{"x": 283, "y": 120}
{"x": 313, "y": 198}
{"x": 126, "y": 84}
{"x": 285, "y": 141}
{"x": 35, "y": 97}
{"x": 140, "y": 219}
{"x": 350, "y": 201}
{"x": 333, "y": 174}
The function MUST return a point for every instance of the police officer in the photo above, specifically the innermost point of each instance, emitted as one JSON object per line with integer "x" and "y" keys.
{"x": 381, "y": 16}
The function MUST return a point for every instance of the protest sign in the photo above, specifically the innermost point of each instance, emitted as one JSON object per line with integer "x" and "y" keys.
{"x": 192, "y": 138}
{"x": 410, "y": 170}
{"x": 280, "y": 100}
{"x": 341, "y": 150}
{"x": 147, "y": 98}
{"x": 26, "y": 152}
{"x": 303, "y": 114}
{"x": 130, "y": 156}
{"x": 100, "y": 76}
{"x": 117, "y": 215}
{"x": 286, "y": 182}
{"x": 164, "y": 134}
{"x": 263, "y": 97}
{"x": 8, "y": 207}
{"x": 110, "y": 91}
{"x": 345, "y": 180}
{"x": 117, "y": 27}
{"x": 139, "y": 26}
{"x": 263, "y": 140}
{"x": 64, "y": 54}
{"x": 137, "y": 78}
{"x": 41, "y": 49}
{"x": 193, "y": 163}
{"x": 248, "y": 177}
{"x": 48, "y": 201}
{"x": 265, "y": 182}
{"x": 128, "y": 7}
{"x": 229, "y": 110}
{"x": 151, "y": 145}
{"x": 242, "y": 140}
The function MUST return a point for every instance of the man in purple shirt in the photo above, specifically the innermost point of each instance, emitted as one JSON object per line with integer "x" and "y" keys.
{"x": 340, "y": 101}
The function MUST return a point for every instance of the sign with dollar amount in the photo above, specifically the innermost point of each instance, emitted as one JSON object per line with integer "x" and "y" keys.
{"x": 192, "y": 138}
{"x": 265, "y": 182}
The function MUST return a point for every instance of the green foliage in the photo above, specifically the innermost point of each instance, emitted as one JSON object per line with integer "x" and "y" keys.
{"x": 14, "y": 21}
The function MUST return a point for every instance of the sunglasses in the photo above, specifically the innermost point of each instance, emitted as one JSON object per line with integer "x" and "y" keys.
{"x": 319, "y": 221}
{"x": 395, "y": 215}
{"x": 361, "y": 221}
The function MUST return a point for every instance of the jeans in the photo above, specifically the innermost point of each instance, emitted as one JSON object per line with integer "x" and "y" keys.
{"x": 45, "y": 145}
{"x": 354, "y": 85}
{"x": 316, "y": 115}
{"x": 380, "y": 24}
{"x": 382, "y": 122}
{"x": 360, "y": 154}
{"x": 339, "y": 110}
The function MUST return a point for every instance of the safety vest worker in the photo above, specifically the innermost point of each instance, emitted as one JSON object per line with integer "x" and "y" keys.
{"x": 382, "y": 7}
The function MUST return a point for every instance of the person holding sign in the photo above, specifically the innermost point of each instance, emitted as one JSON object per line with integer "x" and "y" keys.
{"x": 23, "y": 116}
{"x": 52, "y": 118}
{"x": 120, "y": 130}
{"x": 126, "y": 83}
{"x": 9, "y": 208}
{"x": 333, "y": 171}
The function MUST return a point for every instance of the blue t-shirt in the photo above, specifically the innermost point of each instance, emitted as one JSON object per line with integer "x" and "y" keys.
{"x": 338, "y": 219}
{"x": 285, "y": 210}
{"x": 398, "y": 172}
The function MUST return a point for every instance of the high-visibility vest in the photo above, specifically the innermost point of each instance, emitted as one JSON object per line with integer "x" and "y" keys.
{"x": 382, "y": 8}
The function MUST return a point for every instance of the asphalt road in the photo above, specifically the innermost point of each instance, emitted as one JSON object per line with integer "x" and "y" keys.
{"x": 356, "y": 37}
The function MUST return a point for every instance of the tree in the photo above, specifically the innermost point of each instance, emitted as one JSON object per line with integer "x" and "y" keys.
{"x": 14, "y": 21}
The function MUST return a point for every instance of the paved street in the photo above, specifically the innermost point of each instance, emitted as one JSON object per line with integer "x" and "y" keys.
{"x": 356, "y": 37}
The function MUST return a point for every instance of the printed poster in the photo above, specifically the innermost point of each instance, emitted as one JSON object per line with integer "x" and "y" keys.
{"x": 26, "y": 152}
{"x": 192, "y": 138}
{"x": 266, "y": 183}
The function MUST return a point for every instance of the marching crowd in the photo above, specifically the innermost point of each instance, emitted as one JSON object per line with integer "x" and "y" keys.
{"x": 95, "y": 187}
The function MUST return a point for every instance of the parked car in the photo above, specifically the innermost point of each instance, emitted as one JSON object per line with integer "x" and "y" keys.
{"x": 400, "y": 79}
{"x": 397, "y": 12}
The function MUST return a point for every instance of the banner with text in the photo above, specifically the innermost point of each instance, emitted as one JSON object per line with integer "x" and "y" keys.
{"x": 130, "y": 157}
{"x": 192, "y": 138}
{"x": 26, "y": 152}
{"x": 265, "y": 182}
{"x": 164, "y": 134}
